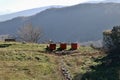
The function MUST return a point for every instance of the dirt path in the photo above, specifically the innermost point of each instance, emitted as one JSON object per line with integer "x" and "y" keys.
{"x": 64, "y": 71}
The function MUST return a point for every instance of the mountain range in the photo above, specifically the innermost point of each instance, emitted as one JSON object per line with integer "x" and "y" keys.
{"x": 115, "y": 1}
{"x": 26, "y": 13}
{"x": 82, "y": 22}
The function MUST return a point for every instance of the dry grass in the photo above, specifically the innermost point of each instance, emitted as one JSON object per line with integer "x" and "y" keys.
{"x": 29, "y": 62}
{"x": 80, "y": 62}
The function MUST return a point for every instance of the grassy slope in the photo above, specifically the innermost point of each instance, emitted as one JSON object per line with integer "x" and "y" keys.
{"x": 29, "y": 62}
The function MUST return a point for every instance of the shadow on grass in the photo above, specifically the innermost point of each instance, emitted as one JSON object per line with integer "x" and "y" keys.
{"x": 5, "y": 45}
{"x": 108, "y": 70}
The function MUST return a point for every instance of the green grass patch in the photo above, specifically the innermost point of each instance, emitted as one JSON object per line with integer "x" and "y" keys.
{"x": 30, "y": 62}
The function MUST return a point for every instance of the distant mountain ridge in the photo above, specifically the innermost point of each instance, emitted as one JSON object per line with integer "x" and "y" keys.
{"x": 82, "y": 23}
{"x": 105, "y": 1}
{"x": 115, "y": 1}
{"x": 26, "y": 13}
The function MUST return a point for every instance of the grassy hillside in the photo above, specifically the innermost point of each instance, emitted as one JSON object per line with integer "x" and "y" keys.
{"x": 20, "y": 61}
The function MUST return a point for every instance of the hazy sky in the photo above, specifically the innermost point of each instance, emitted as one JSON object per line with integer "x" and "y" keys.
{"x": 8, "y": 6}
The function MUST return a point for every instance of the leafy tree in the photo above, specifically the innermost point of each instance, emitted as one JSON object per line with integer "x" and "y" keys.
{"x": 112, "y": 39}
{"x": 112, "y": 43}
{"x": 29, "y": 33}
